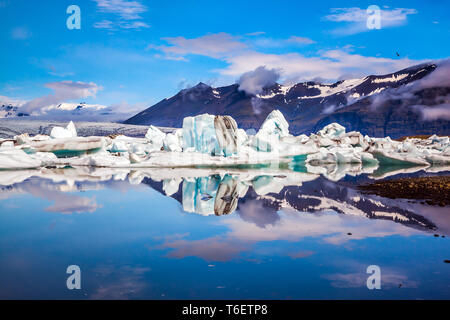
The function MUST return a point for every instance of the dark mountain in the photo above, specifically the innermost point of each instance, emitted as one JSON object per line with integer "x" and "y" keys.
{"x": 383, "y": 105}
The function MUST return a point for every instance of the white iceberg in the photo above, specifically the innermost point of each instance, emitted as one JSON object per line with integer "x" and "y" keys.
{"x": 155, "y": 137}
{"x": 334, "y": 130}
{"x": 68, "y": 132}
{"x": 8, "y": 144}
{"x": 101, "y": 159}
{"x": 172, "y": 143}
{"x": 228, "y": 137}
{"x": 199, "y": 134}
{"x": 275, "y": 123}
{"x": 119, "y": 146}
{"x": 272, "y": 130}
{"x": 17, "y": 159}
{"x": 70, "y": 144}
{"x": 216, "y": 141}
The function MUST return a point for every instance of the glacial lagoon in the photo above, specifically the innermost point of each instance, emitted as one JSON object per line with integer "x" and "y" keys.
{"x": 197, "y": 233}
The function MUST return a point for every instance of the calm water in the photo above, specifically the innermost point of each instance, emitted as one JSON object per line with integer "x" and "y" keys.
{"x": 223, "y": 234}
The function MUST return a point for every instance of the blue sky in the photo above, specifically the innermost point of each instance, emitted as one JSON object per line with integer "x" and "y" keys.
{"x": 131, "y": 54}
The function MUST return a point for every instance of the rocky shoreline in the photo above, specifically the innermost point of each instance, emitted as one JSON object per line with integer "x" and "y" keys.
{"x": 432, "y": 190}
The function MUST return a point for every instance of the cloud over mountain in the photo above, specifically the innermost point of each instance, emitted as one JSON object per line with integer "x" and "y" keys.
{"x": 62, "y": 91}
{"x": 243, "y": 55}
{"x": 253, "y": 82}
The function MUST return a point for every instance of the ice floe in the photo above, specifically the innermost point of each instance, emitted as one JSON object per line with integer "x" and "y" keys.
{"x": 216, "y": 141}
{"x": 18, "y": 159}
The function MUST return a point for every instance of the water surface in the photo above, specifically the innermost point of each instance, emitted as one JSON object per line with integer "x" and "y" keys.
{"x": 268, "y": 233}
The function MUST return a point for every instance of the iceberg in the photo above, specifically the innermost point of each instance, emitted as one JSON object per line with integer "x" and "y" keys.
{"x": 172, "y": 143}
{"x": 213, "y": 135}
{"x": 215, "y": 141}
{"x": 199, "y": 134}
{"x": 119, "y": 146}
{"x": 70, "y": 144}
{"x": 333, "y": 130}
{"x": 227, "y": 135}
{"x": 71, "y": 128}
{"x": 134, "y": 158}
{"x": 68, "y": 132}
{"x": 272, "y": 130}
{"x": 155, "y": 137}
{"x": 101, "y": 159}
{"x": 275, "y": 123}
{"x": 340, "y": 155}
{"x": 46, "y": 158}
{"x": 8, "y": 144}
{"x": 18, "y": 159}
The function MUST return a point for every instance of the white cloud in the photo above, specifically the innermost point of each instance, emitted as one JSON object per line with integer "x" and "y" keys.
{"x": 356, "y": 18}
{"x": 209, "y": 249}
{"x": 124, "y": 107}
{"x": 218, "y": 45}
{"x": 265, "y": 42}
{"x": 62, "y": 202}
{"x": 254, "y": 81}
{"x": 128, "y": 14}
{"x": 134, "y": 25}
{"x": 119, "y": 283}
{"x": 300, "y": 40}
{"x": 12, "y": 101}
{"x": 438, "y": 109}
{"x": 331, "y": 227}
{"x": 127, "y": 10}
{"x": 329, "y": 65}
{"x": 63, "y": 91}
{"x": 104, "y": 24}
{"x": 438, "y": 78}
{"x": 391, "y": 278}
{"x": 293, "y": 66}
{"x": 257, "y": 33}
{"x": 360, "y": 15}
{"x": 20, "y": 33}
{"x": 438, "y": 112}
{"x": 292, "y": 226}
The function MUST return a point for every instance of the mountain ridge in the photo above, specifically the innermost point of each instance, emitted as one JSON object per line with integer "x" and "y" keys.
{"x": 308, "y": 106}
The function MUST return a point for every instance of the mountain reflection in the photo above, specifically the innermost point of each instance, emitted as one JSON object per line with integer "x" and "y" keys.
{"x": 255, "y": 195}
{"x": 259, "y": 198}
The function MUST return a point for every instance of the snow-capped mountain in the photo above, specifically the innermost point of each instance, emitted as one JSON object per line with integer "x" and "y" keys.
{"x": 11, "y": 109}
{"x": 63, "y": 111}
{"x": 8, "y": 110}
{"x": 75, "y": 107}
{"x": 386, "y": 105}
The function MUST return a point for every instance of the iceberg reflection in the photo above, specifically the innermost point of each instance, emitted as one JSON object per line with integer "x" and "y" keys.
{"x": 207, "y": 191}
